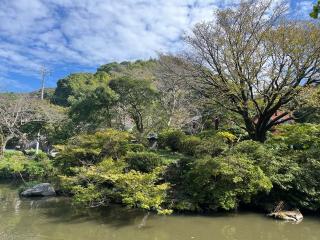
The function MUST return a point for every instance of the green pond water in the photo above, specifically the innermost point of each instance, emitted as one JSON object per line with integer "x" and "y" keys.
{"x": 56, "y": 219}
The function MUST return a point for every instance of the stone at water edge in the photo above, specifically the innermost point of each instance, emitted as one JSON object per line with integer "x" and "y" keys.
{"x": 295, "y": 215}
{"x": 39, "y": 190}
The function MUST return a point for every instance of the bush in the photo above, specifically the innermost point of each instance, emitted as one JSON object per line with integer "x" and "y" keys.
{"x": 291, "y": 160}
{"x": 135, "y": 147}
{"x": 224, "y": 182}
{"x": 18, "y": 165}
{"x": 255, "y": 151}
{"x": 194, "y": 146}
{"x": 297, "y": 136}
{"x": 171, "y": 139}
{"x": 207, "y": 134}
{"x": 190, "y": 144}
{"x": 226, "y": 136}
{"x": 143, "y": 161}
{"x": 92, "y": 148}
{"x": 108, "y": 181}
{"x": 212, "y": 147}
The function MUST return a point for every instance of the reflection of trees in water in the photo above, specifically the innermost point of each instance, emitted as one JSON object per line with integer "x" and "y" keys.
{"x": 229, "y": 232}
{"x": 56, "y": 218}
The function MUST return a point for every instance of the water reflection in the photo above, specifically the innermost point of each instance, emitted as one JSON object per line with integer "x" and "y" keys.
{"x": 55, "y": 219}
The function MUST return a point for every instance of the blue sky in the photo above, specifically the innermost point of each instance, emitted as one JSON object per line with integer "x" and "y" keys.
{"x": 79, "y": 35}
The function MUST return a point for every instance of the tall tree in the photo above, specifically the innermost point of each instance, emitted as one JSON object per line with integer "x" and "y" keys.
{"x": 254, "y": 63}
{"x": 136, "y": 96}
{"x": 95, "y": 109}
{"x": 176, "y": 96}
{"x": 76, "y": 86}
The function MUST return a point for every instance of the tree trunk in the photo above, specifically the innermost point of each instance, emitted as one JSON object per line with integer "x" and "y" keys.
{"x": 109, "y": 118}
{"x": 260, "y": 135}
{"x": 1, "y": 151}
{"x": 138, "y": 121}
{"x": 3, "y": 147}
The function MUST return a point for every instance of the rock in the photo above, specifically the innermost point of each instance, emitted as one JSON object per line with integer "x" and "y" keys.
{"x": 39, "y": 190}
{"x": 295, "y": 215}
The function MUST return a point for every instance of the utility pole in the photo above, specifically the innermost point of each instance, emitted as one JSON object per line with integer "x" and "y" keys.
{"x": 44, "y": 72}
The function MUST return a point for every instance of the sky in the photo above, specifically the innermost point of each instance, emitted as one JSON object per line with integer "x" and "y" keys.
{"x": 70, "y": 36}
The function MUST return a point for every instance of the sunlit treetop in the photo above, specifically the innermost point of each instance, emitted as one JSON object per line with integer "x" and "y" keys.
{"x": 315, "y": 12}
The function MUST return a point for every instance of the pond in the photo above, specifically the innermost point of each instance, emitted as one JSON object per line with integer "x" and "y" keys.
{"x": 56, "y": 219}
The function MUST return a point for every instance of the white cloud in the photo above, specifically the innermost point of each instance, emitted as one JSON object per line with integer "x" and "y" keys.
{"x": 92, "y": 32}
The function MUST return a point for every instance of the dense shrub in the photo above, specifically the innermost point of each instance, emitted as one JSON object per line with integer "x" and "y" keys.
{"x": 108, "y": 181}
{"x": 255, "y": 151}
{"x": 190, "y": 145}
{"x": 205, "y": 172}
{"x": 207, "y": 134}
{"x": 92, "y": 148}
{"x": 209, "y": 143}
{"x": 135, "y": 147}
{"x": 171, "y": 139}
{"x": 226, "y": 136}
{"x": 291, "y": 159}
{"x": 297, "y": 136}
{"x": 212, "y": 147}
{"x": 222, "y": 182}
{"x": 18, "y": 165}
{"x": 143, "y": 161}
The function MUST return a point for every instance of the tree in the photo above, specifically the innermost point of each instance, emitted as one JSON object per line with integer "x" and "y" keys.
{"x": 136, "y": 96}
{"x": 77, "y": 85}
{"x": 15, "y": 112}
{"x": 49, "y": 119}
{"x": 315, "y": 11}
{"x": 254, "y": 63}
{"x": 95, "y": 109}
{"x": 176, "y": 97}
{"x": 22, "y": 116}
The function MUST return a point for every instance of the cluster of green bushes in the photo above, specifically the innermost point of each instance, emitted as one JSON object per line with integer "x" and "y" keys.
{"x": 209, "y": 171}
{"x": 15, "y": 164}
{"x": 108, "y": 167}
{"x": 207, "y": 143}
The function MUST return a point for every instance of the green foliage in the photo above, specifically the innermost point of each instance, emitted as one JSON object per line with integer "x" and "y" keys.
{"x": 197, "y": 147}
{"x": 112, "y": 67}
{"x": 226, "y": 136}
{"x": 108, "y": 181}
{"x": 290, "y": 158}
{"x": 256, "y": 151}
{"x": 124, "y": 68}
{"x": 227, "y": 181}
{"x": 315, "y": 10}
{"x": 171, "y": 138}
{"x": 297, "y": 136}
{"x": 190, "y": 145}
{"x": 88, "y": 149}
{"x": 97, "y": 169}
{"x": 34, "y": 167}
{"x": 136, "y": 97}
{"x": 144, "y": 162}
{"x": 213, "y": 146}
{"x": 140, "y": 190}
{"x": 96, "y": 108}
{"x": 135, "y": 147}
{"x": 223, "y": 182}
{"x": 298, "y": 161}
{"x": 278, "y": 167}
{"x": 77, "y": 85}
